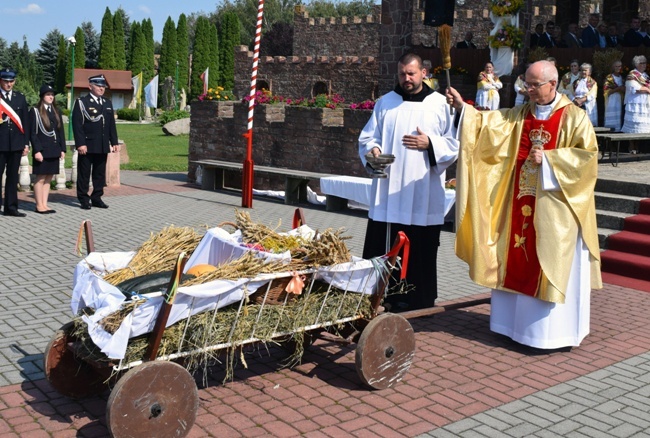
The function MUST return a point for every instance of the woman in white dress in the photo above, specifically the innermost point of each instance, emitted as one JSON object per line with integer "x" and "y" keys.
{"x": 488, "y": 84}
{"x": 585, "y": 91}
{"x": 637, "y": 101}
{"x": 614, "y": 92}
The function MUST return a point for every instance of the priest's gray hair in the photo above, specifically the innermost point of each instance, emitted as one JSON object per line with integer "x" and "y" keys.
{"x": 586, "y": 65}
{"x": 638, "y": 60}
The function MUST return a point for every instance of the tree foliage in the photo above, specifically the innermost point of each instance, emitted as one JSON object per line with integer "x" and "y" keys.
{"x": 147, "y": 33}
{"x": 183, "y": 48}
{"x": 61, "y": 65}
{"x": 201, "y": 54}
{"x": 47, "y": 55}
{"x": 229, "y": 38}
{"x": 214, "y": 57}
{"x": 138, "y": 49}
{"x": 107, "y": 42}
{"x": 118, "y": 41}
{"x": 168, "y": 51}
{"x": 91, "y": 40}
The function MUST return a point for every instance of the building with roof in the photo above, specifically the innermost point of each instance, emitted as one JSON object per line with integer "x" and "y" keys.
{"x": 120, "y": 89}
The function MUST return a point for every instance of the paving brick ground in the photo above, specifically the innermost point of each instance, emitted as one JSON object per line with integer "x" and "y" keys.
{"x": 464, "y": 381}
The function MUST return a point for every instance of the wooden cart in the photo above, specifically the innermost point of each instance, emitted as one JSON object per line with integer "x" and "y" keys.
{"x": 158, "y": 396}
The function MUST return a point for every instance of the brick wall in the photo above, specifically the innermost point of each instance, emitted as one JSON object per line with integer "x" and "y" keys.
{"x": 310, "y": 139}
{"x": 353, "y": 77}
{"x": 355, "y": 36}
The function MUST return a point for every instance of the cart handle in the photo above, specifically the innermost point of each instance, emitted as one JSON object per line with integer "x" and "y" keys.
{"x": 401, "y": 243}
{"x": 298, "y": 218}
{"x": 87, "y": 229}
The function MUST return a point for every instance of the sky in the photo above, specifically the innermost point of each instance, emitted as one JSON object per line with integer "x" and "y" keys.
{"x": 36, "y": 18}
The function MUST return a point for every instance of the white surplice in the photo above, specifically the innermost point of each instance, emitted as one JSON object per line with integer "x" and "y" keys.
{"x": 413, "y": 193}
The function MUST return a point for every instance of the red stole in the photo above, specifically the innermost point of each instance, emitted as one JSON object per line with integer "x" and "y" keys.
{"x": 523, "y": 271}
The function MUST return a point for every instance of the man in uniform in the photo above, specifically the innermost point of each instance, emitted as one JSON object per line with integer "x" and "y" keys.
{"x": 13, "y": 141}
{"x": 526, "y": 215}
{"x": 413, "y": 123}
{"x": 95, "y": 136}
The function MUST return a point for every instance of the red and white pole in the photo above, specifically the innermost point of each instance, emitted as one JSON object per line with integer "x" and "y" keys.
{"x": 247, "y": 176}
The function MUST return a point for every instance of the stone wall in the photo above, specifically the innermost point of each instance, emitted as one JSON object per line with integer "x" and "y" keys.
{"x": 310, "y": 139}
{"x": 355, "y": 36}
{"x": 353, "y": 77}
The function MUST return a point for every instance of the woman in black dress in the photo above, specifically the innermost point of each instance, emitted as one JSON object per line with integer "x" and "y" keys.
{"x": 48, "y": 146}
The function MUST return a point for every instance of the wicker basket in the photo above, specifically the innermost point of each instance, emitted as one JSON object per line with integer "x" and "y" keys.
{"x": 277, "y": 293}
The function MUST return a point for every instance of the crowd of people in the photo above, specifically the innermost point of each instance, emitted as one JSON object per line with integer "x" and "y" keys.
{"x": 626, "y": 96}
{"x": 40, "y": 129}
{"x": 595, "y": 34}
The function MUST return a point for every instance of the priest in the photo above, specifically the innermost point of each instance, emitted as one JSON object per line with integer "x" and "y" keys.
{"x": 525, "y": 211}
{"x": 413, "y": 123}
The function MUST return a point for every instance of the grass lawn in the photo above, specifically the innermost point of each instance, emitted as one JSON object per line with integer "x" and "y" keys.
{"x": 149, "y": 148}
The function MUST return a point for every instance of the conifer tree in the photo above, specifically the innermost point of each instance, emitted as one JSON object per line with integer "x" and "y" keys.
{"x": 147, "y": 33}
{"x": 138, "y": 49}
{"x": 118, "y": 41}
{"x": 80, "y": 48}
{"x": 214, "y": 57}
{"x": 229, "y": 38}
{"x": 61, "y": 64}
{"x": 107, "y": 43}
{"x": 183, "y": 49}
{"x": 91, "y": 40}
{"x": 46, "y": 55}
{"x": 200, "y": 54}
{"x": 168, "y": 51}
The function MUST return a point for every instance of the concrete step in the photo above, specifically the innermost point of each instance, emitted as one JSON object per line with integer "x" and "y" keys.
{"x": 611, "y": 219}
{"x": 617, "y": 202}
{"x": 626, "y": 188}
{"x": 603, "y": 237}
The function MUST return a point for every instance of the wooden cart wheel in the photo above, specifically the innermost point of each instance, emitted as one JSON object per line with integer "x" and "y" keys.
{"x": 69, "y": 375}
{"x": 153, "y": 399}
{"x": 385, "y": 351}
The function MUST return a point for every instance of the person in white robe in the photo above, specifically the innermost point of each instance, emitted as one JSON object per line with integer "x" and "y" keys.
{"x": 585, "y": 91}
{"x": 520, "y": 90}
{"x": 561, "y": 175}
{"x": 488, "y": 86}
{"x": 414, "y": 124}
{"x": 614, "y": 92}
{"x": 637, "y": 101}
{"x": 565, "y": 86}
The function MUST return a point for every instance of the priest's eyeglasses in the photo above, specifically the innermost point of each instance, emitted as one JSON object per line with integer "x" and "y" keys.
{"x": 528, "y": 86}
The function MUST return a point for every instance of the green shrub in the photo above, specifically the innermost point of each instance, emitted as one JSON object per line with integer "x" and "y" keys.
{"x": 170, "y": 116}
{"x": 132, "y": 114}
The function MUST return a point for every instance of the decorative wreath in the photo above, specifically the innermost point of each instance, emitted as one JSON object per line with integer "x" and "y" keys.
{"x": 505, "y": 7}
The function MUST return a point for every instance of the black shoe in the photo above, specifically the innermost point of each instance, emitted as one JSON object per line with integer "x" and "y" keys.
{"x": 14, "y": 213}
{"x": 85, "y": 206}
{"x": 42, "y": 212}
{"x": 99, "y": 204}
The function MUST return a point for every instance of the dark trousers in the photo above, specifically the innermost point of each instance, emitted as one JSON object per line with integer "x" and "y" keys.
{"x": 421, "y": 273}
{"x": 10, "y": 162}
{"x": 88, "y": 164}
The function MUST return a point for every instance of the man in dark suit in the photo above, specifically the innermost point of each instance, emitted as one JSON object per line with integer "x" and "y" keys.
{"x": 571, "y": 38}
{"x": 546, "y": 39}
{"x": 612, "y": 39}
{"x": 467, "y": 42}
{"x": 95, "y": 136}
{"x": 590, "y": 37}
{"x": 13, "y": 141}
{"x": 634, "y": 37}
{"x": 535, "y": 36}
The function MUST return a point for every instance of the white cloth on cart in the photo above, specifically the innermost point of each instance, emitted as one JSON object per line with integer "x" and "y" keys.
{"x": 217, "y": 246}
